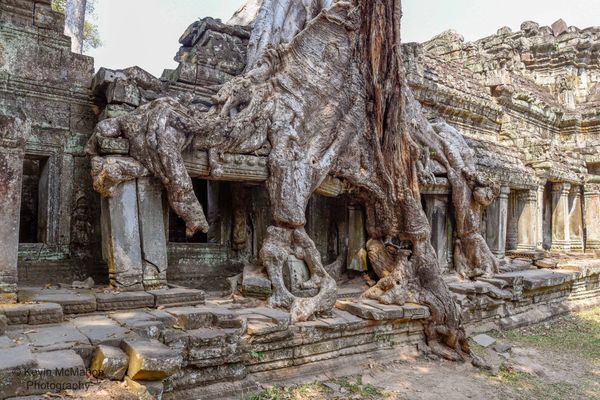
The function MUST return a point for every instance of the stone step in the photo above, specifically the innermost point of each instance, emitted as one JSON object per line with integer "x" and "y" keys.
{"x": 372, "y": 310}
{"x": 539, "y": 278}
{"x": 206, "y": 316}
{"x": 111, "y": 301}
{"x": 150, "y": 359}
{"x": 175, "y": 297}
{"x": 72, "y": 301}
{"x": 32, "y": 314}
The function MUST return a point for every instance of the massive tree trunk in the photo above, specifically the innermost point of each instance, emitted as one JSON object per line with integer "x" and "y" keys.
{"x": 328, "y": 95}
{"x": 74, "y": 22}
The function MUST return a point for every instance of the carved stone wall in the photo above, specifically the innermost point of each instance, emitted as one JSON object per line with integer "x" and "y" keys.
{"x": 41, "y": 77}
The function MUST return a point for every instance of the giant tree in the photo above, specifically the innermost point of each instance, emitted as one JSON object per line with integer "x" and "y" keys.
{"x": 325, "y": 90}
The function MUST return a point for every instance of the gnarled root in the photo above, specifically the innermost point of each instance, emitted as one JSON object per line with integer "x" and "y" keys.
{"x": 280, "y": 243}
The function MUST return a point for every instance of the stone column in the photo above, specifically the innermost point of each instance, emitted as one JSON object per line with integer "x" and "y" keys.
{"x": 539, "y": 217}
{"x": 497, "y": 214}
{"x": 436, "y": 208}
{"x": 121, "y": 237}
{"x": 11, "y": 177}
{"x": 14, "y": 133}
{"x": 560, "y": 217}
{"x": 357, "y": 255}
{"x": 575, "y": 219}
{"x": 153, "y": 237}
{"x": 591, "y": 196}
{"x": 527, "y": 220}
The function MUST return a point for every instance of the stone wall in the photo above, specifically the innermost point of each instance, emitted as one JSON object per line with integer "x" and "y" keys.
{"x": 41, "y": 77}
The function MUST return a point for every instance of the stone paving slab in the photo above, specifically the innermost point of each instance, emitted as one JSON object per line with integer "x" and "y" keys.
{"x": 174, "y": 297}
{"x": 56, "y": 337}
{"x": 19, "y": 356}
{"x": 100, "y": 329}
{"x": 111, "y": 301}
{"x": 539, "y": 278}
{"x": 73, "y": 301}
{"x": 366, "y": 311}
{"x": 142, "y": 323}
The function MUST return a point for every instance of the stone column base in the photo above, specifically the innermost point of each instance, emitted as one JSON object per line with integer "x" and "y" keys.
{"x": 561, "y": 246}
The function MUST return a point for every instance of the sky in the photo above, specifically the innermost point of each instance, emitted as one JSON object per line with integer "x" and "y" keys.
{"x": 146, "y": 32}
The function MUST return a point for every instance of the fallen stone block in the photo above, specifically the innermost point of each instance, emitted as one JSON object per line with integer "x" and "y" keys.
{"x": 502, "y": 348}
{"x": 45, "y": 313}
{"x": 484, "y": 340}
{"x": 255, "y": 282}
{"x": 151, "y": 360}
{"x": 123, "y": 301}
{"x": 176, "y": 297}
{"x": 123, "y": 91}
{"x": 109, "y": 362}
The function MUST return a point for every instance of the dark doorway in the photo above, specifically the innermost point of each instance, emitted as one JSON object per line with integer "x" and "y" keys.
{"x": 32, "y": 226}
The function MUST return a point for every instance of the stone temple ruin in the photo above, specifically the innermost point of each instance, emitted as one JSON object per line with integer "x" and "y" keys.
{"x": 201, "y": 282}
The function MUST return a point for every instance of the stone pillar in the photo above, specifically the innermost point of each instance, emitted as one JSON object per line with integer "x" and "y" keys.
{"x": 153, "y": 237}
{"x": 497, "y": 214}
{"x": 527, "y": 220}
{"x": 591, "y": 196}
{"x": 121, "y": 237}
{"x": 357, "y": 254}
{"x": 11, "y": 177}
{"x": 436, "y": 208}
{"x": 575, "y": 219}
{"x": 539, "y": 217}
{"x": 14, "y": 133}
{"x": 560, "y": 217}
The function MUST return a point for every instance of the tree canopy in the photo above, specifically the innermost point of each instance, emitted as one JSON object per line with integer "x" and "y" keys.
{"x": 91, "y": 36}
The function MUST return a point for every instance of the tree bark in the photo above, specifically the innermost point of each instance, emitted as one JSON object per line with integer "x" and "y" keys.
{"x": 74, "y": 22}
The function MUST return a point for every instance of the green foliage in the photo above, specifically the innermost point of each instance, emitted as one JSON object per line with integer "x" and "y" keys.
{"x": 257, "y": 355}
{"x": 91, "y": 36}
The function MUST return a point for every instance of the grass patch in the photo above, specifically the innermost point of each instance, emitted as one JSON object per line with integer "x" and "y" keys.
{"x": 365, "y": 391}
{"x": 354, "y": 388}
{"x": 577, "y": 333}
{"x": 299, "y": 392}
{"x": 519, "y": 385}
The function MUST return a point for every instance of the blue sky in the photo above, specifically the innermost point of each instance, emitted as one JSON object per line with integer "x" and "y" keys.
{"x": 145, "y": 32}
